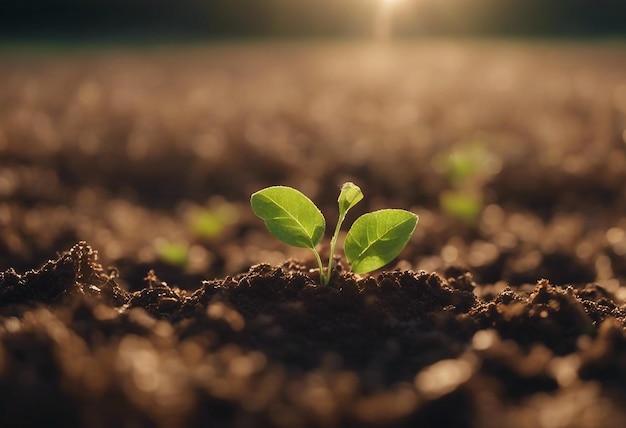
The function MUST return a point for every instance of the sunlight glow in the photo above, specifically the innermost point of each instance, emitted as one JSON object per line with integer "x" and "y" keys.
{"x": 383, "y": 21}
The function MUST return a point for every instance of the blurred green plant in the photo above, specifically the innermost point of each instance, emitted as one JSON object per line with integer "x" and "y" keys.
{"x": 374, "y": 239}
{"x": 174, "y": 253}
{"x": 212, "y": 221}
{"x": 464, "y": 163}
{"x": 466, "y": 168}
{"x": 463, "y": 206}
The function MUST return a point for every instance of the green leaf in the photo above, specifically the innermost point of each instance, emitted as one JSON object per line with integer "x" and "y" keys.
{"x": 376, "y": 238}
{"x": 289, "y": 215}
{"x": 350, "y": 196}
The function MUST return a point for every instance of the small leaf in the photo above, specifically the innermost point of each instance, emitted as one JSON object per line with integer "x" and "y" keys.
{"x": 350, "y": 196}
{"x": 289, "y": 215}
{"x": 376, "y": 238}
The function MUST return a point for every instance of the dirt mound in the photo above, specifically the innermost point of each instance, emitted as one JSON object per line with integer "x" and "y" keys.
{"x": 271, "y": 347}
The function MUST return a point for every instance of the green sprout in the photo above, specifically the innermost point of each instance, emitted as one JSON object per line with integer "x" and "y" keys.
{"x": 175, "y": 254}
{"x": 212, "y": 222}
{"x": 374, "y": 239}
{"x": 463, "y": 206}
{"x": 466, "y": 169}
{"x": 464, "y": 164}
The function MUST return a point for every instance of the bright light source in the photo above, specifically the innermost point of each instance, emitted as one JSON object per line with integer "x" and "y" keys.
{"x": 383, "y": 23}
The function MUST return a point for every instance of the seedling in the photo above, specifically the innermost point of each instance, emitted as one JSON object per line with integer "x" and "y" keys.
{"x": 175, "y": 254}
{"x": 374, "y": 239}
{"x": 212, "y": 222}
{"x": 466, "y": 169}
{"x": 465, "y": 206}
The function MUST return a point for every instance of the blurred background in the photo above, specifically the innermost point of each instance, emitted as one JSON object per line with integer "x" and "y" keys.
{"x": 302, "y": 18}
{"x": 142, "y": 127}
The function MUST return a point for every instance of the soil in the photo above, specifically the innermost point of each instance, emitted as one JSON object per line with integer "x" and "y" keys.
{"x": 137, "y": 289}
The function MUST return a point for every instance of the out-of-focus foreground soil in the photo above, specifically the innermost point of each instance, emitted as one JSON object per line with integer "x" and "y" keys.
{"x": 194, "y": 316}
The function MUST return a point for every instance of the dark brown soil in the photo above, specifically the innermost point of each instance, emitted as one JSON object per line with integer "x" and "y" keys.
{"x": 271, "y": 347}
{"x": 198, "y": 317}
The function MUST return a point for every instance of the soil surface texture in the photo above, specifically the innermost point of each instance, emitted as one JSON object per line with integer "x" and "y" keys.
{"x": 137, "y": 289}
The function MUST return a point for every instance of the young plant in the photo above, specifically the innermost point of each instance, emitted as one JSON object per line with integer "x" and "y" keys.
{"x": 175, "y": 254}
{"x": 466, "y": 168}
{"x": 374, "y": 239}
{"x": 465, "y": 206}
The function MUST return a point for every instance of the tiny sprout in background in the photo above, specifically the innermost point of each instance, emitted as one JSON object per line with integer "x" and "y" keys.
{"x": 463, "y": 206}
{"x": 466, "y": 169}
{"x": 374, "y": 239}
{"x": 211, "y": 222}
{"x": 175, "y": 254}
{"x": 467, "y": 163}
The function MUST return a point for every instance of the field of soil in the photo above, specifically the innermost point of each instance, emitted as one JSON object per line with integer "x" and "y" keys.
{"x": 138, "y": 289}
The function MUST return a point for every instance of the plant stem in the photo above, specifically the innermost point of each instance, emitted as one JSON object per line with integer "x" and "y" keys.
{"x": 324, "y": 279}
{"x": 333, "y": 242}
